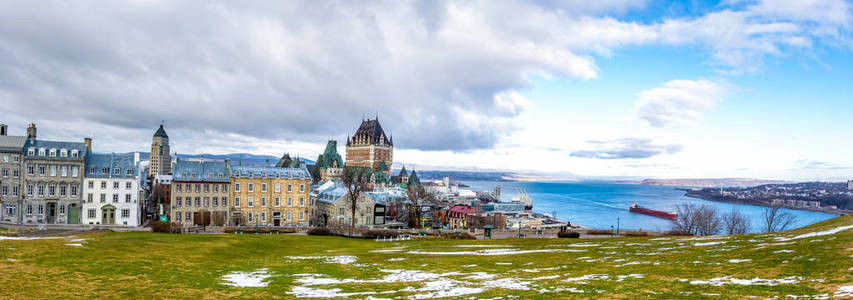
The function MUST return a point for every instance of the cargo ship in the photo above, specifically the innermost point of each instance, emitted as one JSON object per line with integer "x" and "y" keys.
{"x": 651, "y": 212}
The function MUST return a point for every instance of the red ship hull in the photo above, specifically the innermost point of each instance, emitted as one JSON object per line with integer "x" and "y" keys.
{"x": 654, "y": 213}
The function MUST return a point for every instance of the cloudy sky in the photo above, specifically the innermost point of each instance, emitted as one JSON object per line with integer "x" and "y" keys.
{"x": 600, "y": 88}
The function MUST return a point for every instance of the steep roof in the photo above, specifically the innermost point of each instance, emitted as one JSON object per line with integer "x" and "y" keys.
{"x": 12, "y": 143}
{"x": 58, "y": 146}
{"x": 403, "y": 172}
{"x": 193, "y": 170}
{"x": 97, "y": 162}
{"x": 330, "y": 157}
{"x": 161, "y": 132}
{"x": 373, "y": 131}
{"x": 270, "y": 172}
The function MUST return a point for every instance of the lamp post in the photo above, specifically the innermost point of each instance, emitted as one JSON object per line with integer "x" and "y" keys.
{"x": 617, "y": 225}
{"x": 611, "y": 231}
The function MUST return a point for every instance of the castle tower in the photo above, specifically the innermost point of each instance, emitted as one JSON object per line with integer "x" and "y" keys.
{"x": 161, "y": 160}
{"x": 370, "y": 148}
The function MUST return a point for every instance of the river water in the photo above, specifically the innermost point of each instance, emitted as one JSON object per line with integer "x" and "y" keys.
{"x": 601, "y": 204}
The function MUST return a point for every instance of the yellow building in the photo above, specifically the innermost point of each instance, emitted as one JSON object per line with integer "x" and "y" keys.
{"x": 270, "y": 196}
{"x": 200, "y": 192}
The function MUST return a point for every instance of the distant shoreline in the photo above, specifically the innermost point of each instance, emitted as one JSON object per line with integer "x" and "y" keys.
{"x": 831, "y": 212}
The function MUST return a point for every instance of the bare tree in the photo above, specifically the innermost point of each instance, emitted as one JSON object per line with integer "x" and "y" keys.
{"x": 695, "y": 219}
{"x": 419, "y": 197}
{"x": 777, "y": 220}
{"x": 735, "y": 222}
{"x": 355, "y": 180}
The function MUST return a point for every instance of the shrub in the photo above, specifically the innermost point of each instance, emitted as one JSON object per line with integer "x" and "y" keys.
{"x": 676, "y": 233}
{"x": 569, "y": 235}
{"x": 165, "y": 227}
{"x": 374, "y": 233}
{"x": 228, "y": 229}
{"x": 634, "y": 233}
{"x": 598, "y": 232}
{"x": 319, "y": 231}
{"x": 462, "y": 236}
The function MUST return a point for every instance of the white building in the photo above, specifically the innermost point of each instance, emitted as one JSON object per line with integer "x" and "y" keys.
{"x": 111, "y": 190}
{"x": 850, "y": 185}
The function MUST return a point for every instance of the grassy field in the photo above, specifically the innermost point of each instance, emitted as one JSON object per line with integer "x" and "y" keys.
{"x": 814, "y": 262}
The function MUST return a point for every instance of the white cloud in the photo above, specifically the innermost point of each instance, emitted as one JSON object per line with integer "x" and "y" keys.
{"x": 626, "y": 148}
{"x": 679, "y": 103}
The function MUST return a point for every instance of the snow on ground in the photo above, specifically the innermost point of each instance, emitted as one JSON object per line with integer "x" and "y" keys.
{"x": 397, "y": 259}
{"x": 257, "y": 278}
{"x": 583, "y": 279}
{"x": 784, "y": 251}
{"x": 707, "y": 244}
{"x": 484, "y": 246}
{"x": 720, "y": 281}
{"x": 385, "y": 250}
{"x": 76, "y": 245}
{"x": 307, "y": 292}
{"x": 343, "y": 259}
{"x": 814, "y": 234}
{"x": 503, "y": 263}
{"x": 11, "y": 259}
{"x": 844, "y": 291}
{"x": 705, "y": 238}
{"x": 508, "y": 251}
{"x": 734, "y": 261}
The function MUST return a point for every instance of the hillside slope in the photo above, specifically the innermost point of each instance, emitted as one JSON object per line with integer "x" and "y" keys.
{"x": 812, "y": 262}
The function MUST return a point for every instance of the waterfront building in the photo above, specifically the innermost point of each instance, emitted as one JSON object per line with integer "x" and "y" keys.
{"x": 200, "y": 192}
{"x": 270, "y": 196}
{"x": 370, "y": 148}
{"x": 111, "y": 190}
{"x": 160, "y": 160}
{"x": 11, "y": 179}
{"x": 330, "y": 164}
{"x": 52, "y": 179}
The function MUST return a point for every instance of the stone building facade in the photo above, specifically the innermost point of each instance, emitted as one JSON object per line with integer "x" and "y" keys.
{"x": 370, "y": 148}
{"x": 111, "y": 190}
{"x": 53, "y": 175}
{"x": 161, "y": 160}
{"x": 200, "y": 192}
{"x": 11, "y": 175}
{"x": 270, "y": 196}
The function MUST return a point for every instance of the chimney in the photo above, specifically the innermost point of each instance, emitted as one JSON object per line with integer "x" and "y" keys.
{"x": 3, "y": 129}
{"x": 31, "y": 132}
{"x": 88, "y": 142}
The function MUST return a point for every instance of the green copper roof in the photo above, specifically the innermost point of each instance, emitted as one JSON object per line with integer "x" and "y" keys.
{"x": 403, "y": 172}
{"x": 161, "y": 132}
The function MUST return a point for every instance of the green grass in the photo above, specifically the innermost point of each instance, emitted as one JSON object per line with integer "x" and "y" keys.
{"x": 149, "y": 265}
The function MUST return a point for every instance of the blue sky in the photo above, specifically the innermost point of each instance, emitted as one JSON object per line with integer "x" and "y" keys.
{"x": 634, "y": 88}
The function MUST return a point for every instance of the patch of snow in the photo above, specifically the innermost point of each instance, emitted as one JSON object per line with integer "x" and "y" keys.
{"x": 582, "y": 245}
{"x": 507, "y": 283}
{"x": 705, "y": 238}
{"x": 443, "y": 288}
{"x": 77, "y": 240}
{"x": 343, "y": 259}
{"x": 660, "y": 239}
{"x": 784, "y": 251}
{"x": 734, "y": 261}
{"x": 469, "y": 266}
{"x": 385, "y": 250}
{"x": 481, "y": 276}
{"x": 11, "y": 259}
{"x": 308, "y": 292}
{"x": 623, "y": 277}
{"x": 814, "y": 234}
{"x": 488, "y": 252}
{"x": 503, "y": 263}
{"x": 257, "y": 278}
{"x": 76, "y": 245}
{"x": 584, "y": 278}
{"x": 844, "y": 291}
{"x": 720, "y": 281}
{"x": 707, "y": 244}
{"x": 397, "y": 259}
{"x": 545, "y": 277}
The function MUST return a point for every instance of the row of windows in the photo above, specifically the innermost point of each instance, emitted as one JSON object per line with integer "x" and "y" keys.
{"x": 52, "y": 170}
{"x": 13, "y": 158}
{"x": 251, "y": 187}
{"x": 103, "y": 183}
{"x": 52, "y": 189}
{"x": 125, "y": 213}
{"x": 103, "y": 198}
{"x": 209, "y": 175}
{"x": 262, "y": 216}
{"x": 52, "y": 152}
{"x": 250, "y": 202}
{"x": 4, "y": 191}
{"x": 188, "y": 201}
{"x": 116, "y": 171}
{"x": 198, "y": 187}
{"x": 15, "y": 172}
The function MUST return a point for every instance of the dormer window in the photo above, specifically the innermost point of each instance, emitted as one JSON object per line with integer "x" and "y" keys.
{"x": 184, "y": 174}
{"x": 263, "y": 173}
{"x": 210, "y": 175}
{"x": 193, "y": 175}
{"x": 75, "y": 153}
{"x": 92, "y": 170}
{"x": 31, "y": 151}
{"x": 52, "y": 152}
{"x": 251, "y": 173}
{"x": 41, "y": 152}
{"x": 129, "y": 172}
{"x": 116, "y": 171}
{"x": 105, "y": 171}
{"x": 63, "y": 153}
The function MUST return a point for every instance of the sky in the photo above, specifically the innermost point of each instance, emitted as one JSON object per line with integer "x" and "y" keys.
{"x": 657, "y": 89}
